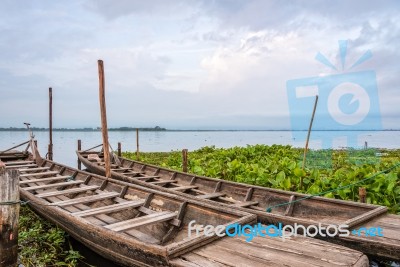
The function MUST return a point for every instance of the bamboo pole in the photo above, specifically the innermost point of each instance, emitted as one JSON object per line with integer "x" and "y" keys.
{"x": 50, "y": 148}
{"x": 9, "y": 210}
{"x": 137, "y": 144}
{"x": 184, "y": 160}
{"x": 308, "y": 138}
{"x": 103, "y": 112}
{"x": 79, "y": 149}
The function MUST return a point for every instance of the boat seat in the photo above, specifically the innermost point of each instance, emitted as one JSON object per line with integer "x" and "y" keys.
{"x": 245, "y": 204}
{"x": 46, "y": 186}
{"x": 88, "y": 199}
{"x": 183, "y": 188}
{"x": 146, "y": 177}
{"x": 212, "y": 195}
{"x": 121, "y": 169}
{"x": 38, "y": 174}
{"x": 34, "y": 169}
{"x": 143, "y": 220}
{"x": 68, "y": 191}
{"x": 20, "y": 162}
{"x": 109, "y": 208}
{"x": 20, "y": 166}
{"x": 47, "y": 179}
{"x": 163, "y": 182}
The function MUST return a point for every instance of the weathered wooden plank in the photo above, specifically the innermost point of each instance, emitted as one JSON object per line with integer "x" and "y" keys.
{"x": 146, "y": 177}
{"x": 20, "y": 166}
{"x": 109, "y": 208}
{"x": 163, "y": 182}
{"x": 194, "y": 260}
{"x": 34, "y": 169}
{"x": 47, "y": 179}
{"x": 88, "y": 199}
{"x": 142, "y": 236}
{"x": 140, "y": 221}
{"x": 121, "y": 169}
{"x": 36, "y": 187}
{"x": 183, "y": 188}
{"x": 245, "y": 204}
{"x": 212, "y": 195}
{"x": 19, "y": 162}
{"x": 39, "y": 174}
{"x": 68, "y": 191}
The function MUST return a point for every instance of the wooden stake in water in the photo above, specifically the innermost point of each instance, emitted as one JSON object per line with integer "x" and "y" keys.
{"x": 103, "y": 112}
{"x": 79, "y": 149}
{"x": 137, "y": 144}
{"x": 308, "y": 138}
{"x": 50, "y": 149}
{"x": 9, "y": 211}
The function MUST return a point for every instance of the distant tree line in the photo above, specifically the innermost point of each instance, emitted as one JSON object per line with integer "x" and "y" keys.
{"x": 85, "y": 129}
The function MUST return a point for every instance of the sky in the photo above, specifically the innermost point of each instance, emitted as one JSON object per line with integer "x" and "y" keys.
{"x": 204, "y": 64}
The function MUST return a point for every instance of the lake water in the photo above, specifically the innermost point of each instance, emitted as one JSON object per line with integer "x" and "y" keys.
{"x": 65, "y": 143}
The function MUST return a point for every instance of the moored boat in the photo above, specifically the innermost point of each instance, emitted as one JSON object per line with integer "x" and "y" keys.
{"x": 300, "y": 209}
{"x": 139, "y": 226}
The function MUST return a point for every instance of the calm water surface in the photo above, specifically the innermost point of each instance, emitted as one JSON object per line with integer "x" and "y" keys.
{"x": 65, "y": 143}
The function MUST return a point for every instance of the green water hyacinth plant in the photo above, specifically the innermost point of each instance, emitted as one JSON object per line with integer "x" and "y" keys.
{"x": 279, "y": 166}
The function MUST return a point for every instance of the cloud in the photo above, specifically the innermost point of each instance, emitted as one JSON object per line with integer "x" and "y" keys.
{"x": 184, "y": 64}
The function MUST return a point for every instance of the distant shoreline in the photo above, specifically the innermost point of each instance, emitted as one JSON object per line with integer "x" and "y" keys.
{"x": 159, "y": 129}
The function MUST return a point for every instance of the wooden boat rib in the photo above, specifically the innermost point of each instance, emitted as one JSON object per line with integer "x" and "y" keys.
{"x": 256, "y": 199}
{"x": 139, "y": 226}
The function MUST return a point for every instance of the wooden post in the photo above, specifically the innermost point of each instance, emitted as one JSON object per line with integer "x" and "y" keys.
{"x": 184, "y": 160}
{"x": 103, "y": 112}
{"x": 362, "y": 192}
{"x": 137, "y": 144}
{"x": 50, "y": 149}
{"x": 79, "y": 149}
{"x": 9, "y": 192}
{"x": 308, "y": 138}
{"x": 35, "y": 143}
{"x": 119, "y": 150}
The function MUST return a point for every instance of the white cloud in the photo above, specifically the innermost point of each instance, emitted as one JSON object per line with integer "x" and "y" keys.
{"x": 185, "y": 63}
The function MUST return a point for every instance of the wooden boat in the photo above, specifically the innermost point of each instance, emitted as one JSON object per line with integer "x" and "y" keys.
{"x": 256, "y": 200}
{"x": 139, "y": 226}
